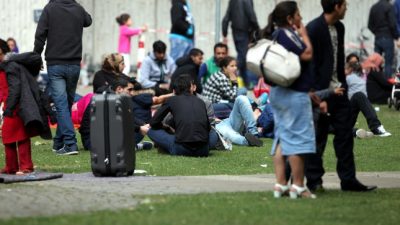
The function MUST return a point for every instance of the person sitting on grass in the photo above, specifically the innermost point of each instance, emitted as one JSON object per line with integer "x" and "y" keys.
{"x": 143, "y": 100}
{"x": 120, "y": 86}
{"x": 211, "y": 66}
{"x": 189, "y": 64}
{"x": 111, "y": 70}
{"x": 241, "y": 120}
{"x": 192, "y": 126}
{"x": 265, "y": 117}
{"x": 359, "y": 101}
{"x": 222, "y": 88}
{"x": 157, "y": 69}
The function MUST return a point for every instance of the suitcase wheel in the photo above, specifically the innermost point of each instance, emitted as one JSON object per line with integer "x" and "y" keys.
{"x": 96, "y": 174}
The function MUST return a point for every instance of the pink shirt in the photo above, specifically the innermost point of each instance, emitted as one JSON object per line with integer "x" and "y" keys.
{"x": 78, "y": 109}
{"x": 125, "y": 34}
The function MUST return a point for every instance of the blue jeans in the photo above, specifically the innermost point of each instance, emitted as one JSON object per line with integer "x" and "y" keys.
{"x": 386, "y": 46}
{"x": 63, "y": 82}
{"x": 241, "y": 40}
{"x": 180, "y": 47}
{"x": 223, "y": 110}
{"x": 241, "y": 115}
{"x": 167, "y": 142}
{"x": 213, "y": 139}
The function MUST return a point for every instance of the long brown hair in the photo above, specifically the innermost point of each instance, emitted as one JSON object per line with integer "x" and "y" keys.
{"x": 278, "y": 17}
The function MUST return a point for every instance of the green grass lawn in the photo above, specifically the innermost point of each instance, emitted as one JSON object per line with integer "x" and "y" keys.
{"x": 376, "y": 154}
{"x": 331, "y": 208}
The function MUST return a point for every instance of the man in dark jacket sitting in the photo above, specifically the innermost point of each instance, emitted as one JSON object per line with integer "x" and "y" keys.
{"x": 189, "y": 64}
{"x": 192, "y": 126}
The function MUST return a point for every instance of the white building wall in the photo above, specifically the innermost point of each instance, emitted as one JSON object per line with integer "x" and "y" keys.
{"x": 101, "y": 38}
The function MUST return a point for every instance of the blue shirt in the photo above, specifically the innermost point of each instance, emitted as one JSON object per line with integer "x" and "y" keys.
{"x": 293, "y": 43}
{"x": 355, "y": 84}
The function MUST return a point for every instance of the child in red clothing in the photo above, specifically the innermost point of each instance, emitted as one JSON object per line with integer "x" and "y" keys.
{"x": 16, "y": 95}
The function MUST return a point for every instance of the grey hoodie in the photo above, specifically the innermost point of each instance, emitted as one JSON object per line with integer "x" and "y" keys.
{"x": 154, "y": 72}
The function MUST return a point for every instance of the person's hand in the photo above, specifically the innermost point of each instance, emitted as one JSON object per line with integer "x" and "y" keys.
{"x": 233, "y": 77}
{"x": 301, "y": 30}
{"x": 398, "y": 43}
{"x": 323, "y": 107}
{"x": 164, "y": 86}
{"x": 144, "y": 129}
{"x": 339, "y": 91}
{"x": 256, "y": 113}
{"x": 225, "y": 40}
{"x": 145, "y": 28}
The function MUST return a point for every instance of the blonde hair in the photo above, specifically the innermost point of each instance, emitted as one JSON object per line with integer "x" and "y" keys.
{"x": 111, "y": 63}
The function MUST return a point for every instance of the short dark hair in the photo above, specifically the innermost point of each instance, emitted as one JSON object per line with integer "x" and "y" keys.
{"x": 182, "y": 84}
{"x": 196, "y": 52}
{"x": 226, "y": 61}
{"x": 351, "y": 55}
{"x": 4, "y": 47}
{"x": 136, "y": 85}
{"x": 123, "y": 18}
{"x": 119, "y": 82}
{"x": 329, "y": 5}
{"x": 159, "y": 47}
{"x": 220, "y": 45}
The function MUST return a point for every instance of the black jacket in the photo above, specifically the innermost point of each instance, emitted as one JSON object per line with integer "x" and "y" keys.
{"x": 241, "y": 14}
{"x": 142, "y": 104}
{"x": 321, "y": 67}
{"x": 382, "y": 20}
{"x": 185, "y": 65}
{"x": 180, "y": 24}
{"x": 61, "y": 24}
{"x": 190, "y": 119}
{"x": 104, "y": 78}
{"x": 24, "y": 94}
{"x": 378, "y": 88}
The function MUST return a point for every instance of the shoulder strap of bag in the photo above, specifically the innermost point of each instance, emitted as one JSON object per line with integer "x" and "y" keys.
{"x": 262, "y": 62}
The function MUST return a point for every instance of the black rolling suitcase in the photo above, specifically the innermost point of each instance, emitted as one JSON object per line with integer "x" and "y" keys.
{"x": 112, "y": 136}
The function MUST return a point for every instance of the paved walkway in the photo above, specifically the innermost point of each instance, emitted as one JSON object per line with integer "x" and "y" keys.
{"x": 85, "y": 193}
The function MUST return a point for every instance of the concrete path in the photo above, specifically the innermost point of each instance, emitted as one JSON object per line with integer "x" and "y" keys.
{"x": 77, "y": 193}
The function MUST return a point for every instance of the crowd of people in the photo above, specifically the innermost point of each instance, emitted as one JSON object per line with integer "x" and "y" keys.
{"x": 188, "y": 107}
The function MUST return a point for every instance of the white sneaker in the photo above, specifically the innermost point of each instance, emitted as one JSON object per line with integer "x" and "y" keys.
{"x": 362, "y": 134}
{"x": 381, "y": 132}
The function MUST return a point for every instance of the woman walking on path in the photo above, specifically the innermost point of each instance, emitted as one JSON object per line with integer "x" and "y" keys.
{"x": 125, "y": 35}
{"x": 294, "y": 129}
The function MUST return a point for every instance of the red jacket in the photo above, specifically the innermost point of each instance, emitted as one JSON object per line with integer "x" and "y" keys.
{"x": 13, "y": 129}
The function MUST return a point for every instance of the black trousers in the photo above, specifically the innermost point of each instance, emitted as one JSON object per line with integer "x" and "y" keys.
{"x": 241, "y": 40}
{"x": 359, "y": 102}
{"x": 339, "y": 117}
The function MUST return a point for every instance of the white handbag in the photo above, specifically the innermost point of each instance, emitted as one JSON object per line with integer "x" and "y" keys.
{"x": 272, "y": 61}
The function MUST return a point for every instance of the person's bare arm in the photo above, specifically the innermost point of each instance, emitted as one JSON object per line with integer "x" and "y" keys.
{"x": 308, "y": 53}
{"x": 161, "y": 99}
